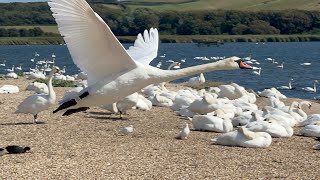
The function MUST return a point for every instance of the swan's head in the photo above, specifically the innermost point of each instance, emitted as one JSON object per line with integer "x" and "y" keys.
{"x": 241, "y": 64}
{"x": 306, "y": 103}
{"x": 56, "y": 69}
{"x": 176, "y": 65}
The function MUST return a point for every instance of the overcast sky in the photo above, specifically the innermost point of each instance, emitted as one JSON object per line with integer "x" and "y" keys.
{"x": 7, "y": 1}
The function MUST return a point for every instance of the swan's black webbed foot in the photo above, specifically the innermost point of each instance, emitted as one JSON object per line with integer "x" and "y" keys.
{"x": 71, "y": 102}
{"x": 71, "y": 111}
{"x": 65, "y": 105}
{"x": 83, "y": 95}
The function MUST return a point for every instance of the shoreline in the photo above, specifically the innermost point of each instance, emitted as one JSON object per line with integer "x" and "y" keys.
{"x": 56, "y": 40}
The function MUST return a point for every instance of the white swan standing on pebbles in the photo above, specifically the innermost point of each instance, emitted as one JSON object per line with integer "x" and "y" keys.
{"x": 112, "y": 73}
{"x": 39, "y": 102}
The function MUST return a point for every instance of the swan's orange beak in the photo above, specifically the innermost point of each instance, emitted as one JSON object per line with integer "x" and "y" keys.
{"x": 310, "y": 107}
{"x": 244, "y": 65}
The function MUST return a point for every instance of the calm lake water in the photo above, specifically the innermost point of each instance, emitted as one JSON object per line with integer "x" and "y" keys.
{"x": 292, "y": 54}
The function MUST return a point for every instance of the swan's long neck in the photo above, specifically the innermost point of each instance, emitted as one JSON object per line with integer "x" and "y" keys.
{"x": 52, "y": 94}
{"x": 302, "y": 114}
{"x": 168, "y": 75}
{"x": 315, "y": 87}
{"x": 290, "y": 85}
{"x": 294, "y": 103}
{"x": 171, "y": 65}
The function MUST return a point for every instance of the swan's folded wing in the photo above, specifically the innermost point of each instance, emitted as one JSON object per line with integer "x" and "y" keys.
{"x": 92, "y": 45}
{"x": 145, "y": 47}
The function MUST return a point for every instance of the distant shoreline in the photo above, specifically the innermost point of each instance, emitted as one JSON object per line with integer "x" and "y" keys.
{"x": 43, "y": 40}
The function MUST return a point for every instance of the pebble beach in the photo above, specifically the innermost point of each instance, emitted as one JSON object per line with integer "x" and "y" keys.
{"x": 88, "y": 146}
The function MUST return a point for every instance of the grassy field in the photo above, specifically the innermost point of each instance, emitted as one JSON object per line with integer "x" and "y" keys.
{"x": 251, "y": 5}
{"x": 53, "y": 29}
{"x": 30, "y": 40}
{"x": 173, "y": 39}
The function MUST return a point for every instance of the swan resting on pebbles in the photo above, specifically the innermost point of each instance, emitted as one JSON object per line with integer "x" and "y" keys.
{"x": 244, "y": 138}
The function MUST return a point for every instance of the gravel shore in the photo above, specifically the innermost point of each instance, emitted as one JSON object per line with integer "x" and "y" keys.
{"x": 87, "y": 146}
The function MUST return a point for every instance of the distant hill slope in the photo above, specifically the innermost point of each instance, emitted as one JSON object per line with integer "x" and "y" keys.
{"x": 251, "y": 5}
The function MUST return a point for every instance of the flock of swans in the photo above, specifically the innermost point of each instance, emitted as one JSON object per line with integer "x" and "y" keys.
{"x": 119, "y": 79}
{"x": 257, "y": 71}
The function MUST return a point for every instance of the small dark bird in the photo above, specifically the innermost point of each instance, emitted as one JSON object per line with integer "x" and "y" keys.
{"x": 17, "y": 149}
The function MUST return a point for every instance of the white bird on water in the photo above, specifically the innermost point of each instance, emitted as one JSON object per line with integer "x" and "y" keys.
{"x": 287, "y": 87}
{"x": 113, "y": 73}
{"x": 310, "y": 89}
{"x": 257, "y": 72}
{"x": 3, "y": 63}
{"x": 281, "y": 65}
{"x": 39, "y": 102}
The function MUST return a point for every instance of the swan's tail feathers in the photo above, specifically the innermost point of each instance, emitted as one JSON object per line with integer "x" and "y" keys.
{"x": 65, "y": 105}
{"x": 71, "y": 111}
{"x": 71, "y": 102}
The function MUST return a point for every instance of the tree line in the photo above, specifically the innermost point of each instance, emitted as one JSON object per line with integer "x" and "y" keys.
{"x": 24, "y": 32}
{"x": 130, "y": 22}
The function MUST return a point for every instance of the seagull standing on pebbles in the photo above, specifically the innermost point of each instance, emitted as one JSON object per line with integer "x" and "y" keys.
{"x": 126, "y": 130}
{"x": 183, "y": 134}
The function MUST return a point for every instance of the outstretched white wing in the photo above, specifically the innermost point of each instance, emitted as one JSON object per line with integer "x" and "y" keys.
{"x": 92, "y": 45}
{"x": 145, "y": 47}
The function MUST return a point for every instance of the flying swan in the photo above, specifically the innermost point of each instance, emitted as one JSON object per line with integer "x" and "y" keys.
{"x": 113, "y": 73}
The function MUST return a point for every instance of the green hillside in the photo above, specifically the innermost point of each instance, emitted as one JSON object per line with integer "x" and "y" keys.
{"x": 252, "y": 5}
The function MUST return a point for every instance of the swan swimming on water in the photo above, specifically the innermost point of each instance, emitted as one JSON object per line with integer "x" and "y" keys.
{"x": 3, "y": 63}
{"x": 112, "y": 72}
{"x": 257, "y": 72}
{"x": 289, "y": 87}
{"x": 310, "y": 89}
